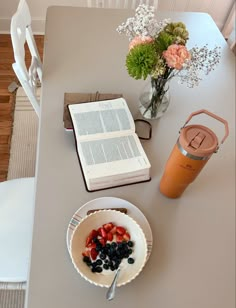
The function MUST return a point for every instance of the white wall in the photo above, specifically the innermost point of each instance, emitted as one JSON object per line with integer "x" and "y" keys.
{"x": 218, "y": 9}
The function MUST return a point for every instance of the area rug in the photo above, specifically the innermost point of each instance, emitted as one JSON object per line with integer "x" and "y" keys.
{"x": 24, "y": 138}
{"x": 12, "y": 295}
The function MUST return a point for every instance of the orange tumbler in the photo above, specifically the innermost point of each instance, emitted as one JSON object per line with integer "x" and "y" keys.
{"x": 192, "y": 151}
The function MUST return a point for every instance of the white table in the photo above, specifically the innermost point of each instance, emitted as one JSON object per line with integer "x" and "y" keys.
{"x": 192, "y": 264}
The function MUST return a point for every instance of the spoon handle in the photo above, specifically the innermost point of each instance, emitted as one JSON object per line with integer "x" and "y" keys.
{"x": 111, "y": 291}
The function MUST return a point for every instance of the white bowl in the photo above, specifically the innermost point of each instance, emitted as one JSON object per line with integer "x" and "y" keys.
{"x": 94, "y": 221}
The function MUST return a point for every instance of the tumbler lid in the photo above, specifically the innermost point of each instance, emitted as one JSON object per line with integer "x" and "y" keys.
{"x": 198, "y": 140}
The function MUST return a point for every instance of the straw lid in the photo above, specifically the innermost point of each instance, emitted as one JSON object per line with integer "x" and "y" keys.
{"x": 198, "y": 140}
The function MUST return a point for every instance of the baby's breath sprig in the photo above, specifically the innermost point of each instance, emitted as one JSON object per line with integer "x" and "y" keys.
{"x": 142, "y": 24}
{"x": 203, "y": 61}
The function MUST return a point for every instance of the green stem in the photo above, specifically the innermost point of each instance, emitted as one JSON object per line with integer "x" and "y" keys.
{"x": 158, "y": 92}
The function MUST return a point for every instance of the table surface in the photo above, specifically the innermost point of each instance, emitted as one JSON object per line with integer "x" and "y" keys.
{"x": 193, "y": 258}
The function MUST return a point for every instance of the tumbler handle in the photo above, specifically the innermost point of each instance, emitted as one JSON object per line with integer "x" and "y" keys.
{"x": 213, "y": 116}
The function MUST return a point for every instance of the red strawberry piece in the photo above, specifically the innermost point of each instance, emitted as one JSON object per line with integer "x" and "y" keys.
{"x": 103, "y": 233}
{"x": 103, "y": 241}
{"x": 120, "y": 230}
{"x": 126, "y": 236}
{"x": 99, "y": 231}
{"x": 109, "y": 236}
{"x": 119, "y": 238}
{"x": 113, "y": 230}
{"x": 86, "y": 253}
{"x": 92, "y": 245}
{"x": 88, "y": 240}
{"x": 93, "y": 253}
{"x": 108, "y": 226}
{"x": 93, "y": 234}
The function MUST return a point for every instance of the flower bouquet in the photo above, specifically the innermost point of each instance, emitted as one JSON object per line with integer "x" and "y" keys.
{"x": 158, "y": 50}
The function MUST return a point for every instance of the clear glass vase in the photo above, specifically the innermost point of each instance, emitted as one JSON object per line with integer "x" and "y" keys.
{"x": 155, "y": 98}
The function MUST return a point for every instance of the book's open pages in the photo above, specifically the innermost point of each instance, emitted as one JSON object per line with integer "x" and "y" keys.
{"x": 110, "y": 152}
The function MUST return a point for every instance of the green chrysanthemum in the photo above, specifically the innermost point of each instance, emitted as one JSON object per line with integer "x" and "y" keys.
{"x": 178, "y": 32}
{"x": 163, "y": 41}
{"x": 141, "y": 60}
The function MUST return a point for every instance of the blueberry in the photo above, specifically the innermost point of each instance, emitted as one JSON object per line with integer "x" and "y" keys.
{"x": 110, "y": 263}
{"x": 130, "y": 251}
{"x": 106, "y": 266}
{"x": 112, "y": 267}
{"x": 113, "y": 244}
{"x": 99, "y": 262}
{"x": 104, "y": 250}
{"x": 96, "y": 240}
{"x": 118, "y": 253}
{"x": 98, "y": 269}
{"x": 102, "y": 256}
{"x": 116, "y": 266}
{"x": 86, "y": 259}
{"x": 99, "y": 247}
{"x": 130, "y": 260}
{"x": 130, "y": 243}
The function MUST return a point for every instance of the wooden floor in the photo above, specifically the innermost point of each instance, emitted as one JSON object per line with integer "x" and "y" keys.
{"x": 7, "y": 99}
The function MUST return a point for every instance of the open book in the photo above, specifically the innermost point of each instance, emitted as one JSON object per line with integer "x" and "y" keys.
{"x": 108, "y": 148}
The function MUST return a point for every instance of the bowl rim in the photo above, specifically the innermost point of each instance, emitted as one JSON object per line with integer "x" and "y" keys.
{"x": 143, "y": 261}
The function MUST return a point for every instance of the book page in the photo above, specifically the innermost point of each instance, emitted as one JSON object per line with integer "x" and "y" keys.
{"x": 102, "y": 117}
{"x": 118, "y": 159}
{"x": 109, "y": 150}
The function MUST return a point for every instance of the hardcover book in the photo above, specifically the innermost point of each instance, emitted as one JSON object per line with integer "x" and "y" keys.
{"x": 109, "y": 151}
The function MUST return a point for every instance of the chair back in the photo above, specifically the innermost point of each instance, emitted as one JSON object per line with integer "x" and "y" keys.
{"x": 127, "y": 4}
{"x": 21, "y": 32}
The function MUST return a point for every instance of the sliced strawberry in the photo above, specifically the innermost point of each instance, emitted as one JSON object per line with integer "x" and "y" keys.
{"x": 108, "y": 226}
{"x": 109, "y": 236}
{"x": 92, "y": 245}
{"x": 119, "y": 238}
{"x": 88, "y": 240}
{"x": 103, "y": 233}
{"x": 86, "y": 253}
{"x": 113, "y": 230}
{"x": 93, "y": 253}
{"x": 103, "y": 241}
{"x": 99, "y": 231}
{"x": 90, "y": 237}
{"x": 94, "y": 233}
{"x": 126, "y": 237}
{"x": 120, "y": 230}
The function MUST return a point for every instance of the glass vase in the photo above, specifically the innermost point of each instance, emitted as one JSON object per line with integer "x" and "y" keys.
{"x": 155, "y": 98}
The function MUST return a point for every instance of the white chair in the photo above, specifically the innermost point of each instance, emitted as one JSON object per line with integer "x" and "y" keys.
{"x": 131, "y": 4}
{"x": 21, "y": 32}
{"x": 16, "y": 223}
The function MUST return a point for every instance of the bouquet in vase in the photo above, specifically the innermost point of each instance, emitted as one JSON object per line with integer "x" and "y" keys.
{"x": 158, "y": 50}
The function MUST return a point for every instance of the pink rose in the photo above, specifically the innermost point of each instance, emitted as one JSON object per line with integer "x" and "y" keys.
{"x": 138, "y": 40}
{"x": 176, "y": 55}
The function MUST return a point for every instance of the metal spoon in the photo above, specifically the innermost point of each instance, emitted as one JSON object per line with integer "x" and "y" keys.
{"x": 112, "y": 289}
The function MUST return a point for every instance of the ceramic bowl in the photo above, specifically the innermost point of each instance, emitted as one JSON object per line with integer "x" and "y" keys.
{"x": 96, "y": 221}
